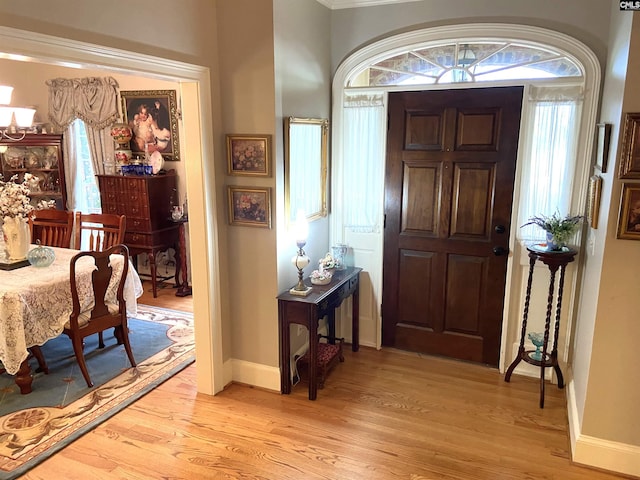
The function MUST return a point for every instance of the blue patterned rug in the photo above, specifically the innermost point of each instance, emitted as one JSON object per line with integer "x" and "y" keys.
{"x": 61, "y": 407}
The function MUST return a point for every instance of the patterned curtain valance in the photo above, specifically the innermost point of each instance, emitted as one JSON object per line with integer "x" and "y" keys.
{"x": 93, "y": 99}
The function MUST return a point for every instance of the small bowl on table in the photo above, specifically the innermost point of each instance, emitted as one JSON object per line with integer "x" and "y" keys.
{"x": 321, "y": 277}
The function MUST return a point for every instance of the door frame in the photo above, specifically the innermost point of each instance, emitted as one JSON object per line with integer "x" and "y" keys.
{"x": 195, "y": 91}
{"x": 369, "y": 54}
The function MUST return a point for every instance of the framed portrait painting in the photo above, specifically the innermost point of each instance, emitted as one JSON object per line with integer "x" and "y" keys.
{"x": 630, "y": 159}
{"x": 629, "y": 220}
{"x": 249, "y": 155}
{"x": 153, "y": 117}
{"x": 249, "y": 206}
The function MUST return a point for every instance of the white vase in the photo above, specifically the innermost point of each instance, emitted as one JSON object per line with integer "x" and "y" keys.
{"x": 17, "y": 239}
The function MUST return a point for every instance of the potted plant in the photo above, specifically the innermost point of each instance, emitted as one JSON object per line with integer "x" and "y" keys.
{"x": 559, "y": 230}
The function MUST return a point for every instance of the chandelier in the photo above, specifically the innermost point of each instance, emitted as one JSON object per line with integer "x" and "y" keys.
{"x": 14, "y": 121}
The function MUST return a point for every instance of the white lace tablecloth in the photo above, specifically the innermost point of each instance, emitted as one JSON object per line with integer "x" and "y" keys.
{"x": 35, "y": 302}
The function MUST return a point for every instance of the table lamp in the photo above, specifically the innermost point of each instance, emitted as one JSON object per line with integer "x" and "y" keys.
{"x": 301, "y": 231}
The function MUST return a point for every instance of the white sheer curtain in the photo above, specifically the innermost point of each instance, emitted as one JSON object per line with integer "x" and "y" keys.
{"x": 94, "y": 100}
{"x": 550, "y": 158}
{"x": 365, "y": 120}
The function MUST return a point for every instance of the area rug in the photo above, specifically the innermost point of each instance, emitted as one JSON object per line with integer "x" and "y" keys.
{"x": 61, "y": 407}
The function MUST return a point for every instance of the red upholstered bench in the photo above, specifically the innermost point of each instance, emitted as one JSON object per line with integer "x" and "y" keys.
{"x": 328, "y": 356}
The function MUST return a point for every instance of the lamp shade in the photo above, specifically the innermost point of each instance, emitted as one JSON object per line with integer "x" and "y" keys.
{"x": 24, "y": 116}
{"x": 301, "y": 228}
{"x": 6, "y": 116}
{"x": 5, "y": 94}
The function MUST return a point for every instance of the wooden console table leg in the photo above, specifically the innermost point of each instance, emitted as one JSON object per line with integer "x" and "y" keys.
{"x": 152, "y": 267}
{"x": 355, "y": 318}
{"x": 285, "y": 351}
{"x": 24, "y": 379}
{"x": 184, "y": 289}
{"x": 312, "y": 324}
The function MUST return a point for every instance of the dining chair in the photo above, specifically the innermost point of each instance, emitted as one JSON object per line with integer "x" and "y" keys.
{"x": 101, "y": 230}
{"x": 51, "y": 227}
{"x": 103, "y": 314}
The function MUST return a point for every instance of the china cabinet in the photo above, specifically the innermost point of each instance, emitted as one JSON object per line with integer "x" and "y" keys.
{"x": 41, "y": 156}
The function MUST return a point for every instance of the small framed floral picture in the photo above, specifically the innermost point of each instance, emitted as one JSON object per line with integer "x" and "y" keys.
{"x": 249, "y": 206}
{"x": 249, "y": 155}
{"x": 629, "y": 220}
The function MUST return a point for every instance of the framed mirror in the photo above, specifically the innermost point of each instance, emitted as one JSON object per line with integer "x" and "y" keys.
{"x": 305, "y": 167}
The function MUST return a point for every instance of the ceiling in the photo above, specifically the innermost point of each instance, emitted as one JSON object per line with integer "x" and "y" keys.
{"x": 337, "y": 4}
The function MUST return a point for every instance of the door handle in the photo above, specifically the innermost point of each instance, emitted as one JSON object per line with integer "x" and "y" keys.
{"x": 498, "y": 251}
{"x": 500, "y": 229}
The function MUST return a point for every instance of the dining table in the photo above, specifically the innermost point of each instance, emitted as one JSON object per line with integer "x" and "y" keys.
{"x": 35, "y": 304}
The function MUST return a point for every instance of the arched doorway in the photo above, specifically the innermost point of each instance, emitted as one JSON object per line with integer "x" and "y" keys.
{"x": 366, "y": 240}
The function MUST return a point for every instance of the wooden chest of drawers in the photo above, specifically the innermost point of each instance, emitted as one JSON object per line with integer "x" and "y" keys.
{"x": 146, "y": 202}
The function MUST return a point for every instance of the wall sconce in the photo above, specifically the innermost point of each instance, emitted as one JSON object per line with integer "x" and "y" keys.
{"x": 13, "y": 120}
{"x": 301, "y": 231}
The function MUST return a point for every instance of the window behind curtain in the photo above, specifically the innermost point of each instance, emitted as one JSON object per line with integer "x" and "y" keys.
{"x": 364, "y": 134}
{"x": 87, "y": 194}
{"x": 549, "y": 156}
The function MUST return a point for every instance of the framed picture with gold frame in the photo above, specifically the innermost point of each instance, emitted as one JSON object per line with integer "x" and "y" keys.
{"x": 153, "y": 117}
{"x": 593, "y": 202}
{"x": 305, "y": 167}
{"x": 249, "y": 206}
{"x": 249, "y": 155}
{"x": 630, "y": 158}
{"x": 629, "y": 220}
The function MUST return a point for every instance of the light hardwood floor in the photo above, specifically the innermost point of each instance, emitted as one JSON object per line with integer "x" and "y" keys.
{"x": 382, "y": 415}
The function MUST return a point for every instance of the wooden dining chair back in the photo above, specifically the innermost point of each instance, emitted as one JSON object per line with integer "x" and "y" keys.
{"x": 104, "y": 313}
{"x": 100, "y": 230}
{"x": 51, "y": 227}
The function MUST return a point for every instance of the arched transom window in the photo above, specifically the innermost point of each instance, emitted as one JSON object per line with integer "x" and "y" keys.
{"x": 468, "y": 61}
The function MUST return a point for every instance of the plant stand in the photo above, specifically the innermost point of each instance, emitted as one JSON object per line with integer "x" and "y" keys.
{"x": 554, "y": 260}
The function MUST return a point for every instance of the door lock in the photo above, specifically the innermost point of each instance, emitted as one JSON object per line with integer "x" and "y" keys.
{"x": 499, "y": 251}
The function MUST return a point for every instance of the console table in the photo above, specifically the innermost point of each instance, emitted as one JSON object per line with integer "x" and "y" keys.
{"x": 554, "y": 260}
{"x": 307, "y": 311}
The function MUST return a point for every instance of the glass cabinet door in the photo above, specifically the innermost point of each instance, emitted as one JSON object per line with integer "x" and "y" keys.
{"x": 41, "y": 156}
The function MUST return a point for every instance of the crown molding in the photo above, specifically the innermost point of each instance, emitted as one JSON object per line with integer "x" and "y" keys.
{"x": 338, "y": 4}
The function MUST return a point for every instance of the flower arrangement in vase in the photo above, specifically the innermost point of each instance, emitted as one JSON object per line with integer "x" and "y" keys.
{"x": 559, "y": 229}
{"x": 15, "y": 206}
{"x": 327, "y": 262}
{"x": 14, "y": 197}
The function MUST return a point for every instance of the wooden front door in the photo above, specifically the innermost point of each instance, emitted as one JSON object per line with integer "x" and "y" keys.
{"x": 450, "y": 170}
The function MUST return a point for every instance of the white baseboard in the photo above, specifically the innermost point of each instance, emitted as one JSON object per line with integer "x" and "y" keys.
{"x": 596, "y": 452}
{"x": 251, "y": 373}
